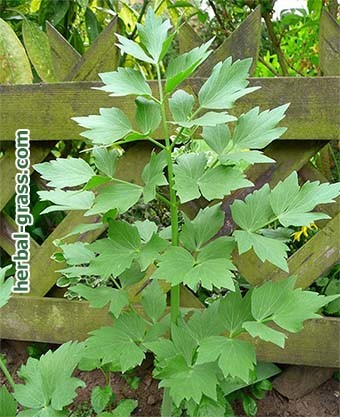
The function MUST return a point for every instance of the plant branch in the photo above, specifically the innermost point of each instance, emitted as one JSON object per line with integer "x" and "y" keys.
{"x": 271, "y": 69}
{"x": 6, "y": 373}
{"x": 275, "y": 42}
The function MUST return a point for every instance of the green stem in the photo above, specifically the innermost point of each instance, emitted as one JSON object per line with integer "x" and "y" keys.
{"x": 6, "y": 373}
{"x": 175, "y": 291}
{"x": 166, "y": 408}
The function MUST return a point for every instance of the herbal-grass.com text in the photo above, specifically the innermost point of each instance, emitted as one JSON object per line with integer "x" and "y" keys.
{"x": 23, "y": 217}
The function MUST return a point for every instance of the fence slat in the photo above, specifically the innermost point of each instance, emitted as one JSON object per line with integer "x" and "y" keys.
{"x": 64, "y": 56}
{"x": 244, "y": 42}
{"x": 313, "y": 113}
{"x": 72, "y": 320}
{"x": 329, "y": 44}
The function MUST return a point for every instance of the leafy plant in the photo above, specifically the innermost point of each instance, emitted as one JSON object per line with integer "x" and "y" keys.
{"x": 196, "y": 352}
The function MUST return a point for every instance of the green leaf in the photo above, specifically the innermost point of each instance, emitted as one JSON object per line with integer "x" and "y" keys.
{"x": 39, "y": 51}
{"x": 120, "y": 196}
{"x": 148, "y": 115}
{"x": 8, "y": 405}
{"x": 93, "y": 27}
{"x": 181, "y": 104}
{"x": 78, "y": 172}
{"x": 105, "y": 129}
{"x": 5, "y": 286}
{"x": 105, "y": 160}
{"x": 256, "y": 329}
{"x": 234, "y": 310}
{"x": 119, "y": 344}
{"x": 251, "y": 157}
{"x": 255, "y": 211}
{"x": 153, "y": 176}
{"x": 163, "y": 349}
{"x": 66, "y": 200}
{"x": 249, "y": 406}
{"x": 210, "y": 118}
{"x": 153, "y": 34}
{"x": 146, "y": 229}
{"x": 210, "y": 408}
{"x": 182, "y": 66}
{"x": 84, "y": 228}
{"x": 220, "y": 181}
{"x": 12, "y": 52}
{"x": 195, "y": 233}
{"x": 205, "y": 323}
{"x": 192, "y": 180}
{"x": 292, "y": 204}
{"x": 100, "y": 296}
{"x": 257, "y": 130}
{"x": 101, "y": 398}
{"x": 235, "y": 357}
{"x": 188, "y": 382}
{"x": 213, "y": 266}
{"x": 154, "y": 301}
{"x": 274, "y": 251}
{"x": 226, "y": 84}
{"x": 217, "y": 137}
{"x": 132, "y": 48}
{"x": 184, "y": 343}
{"x": 123, "y": 409}
{"x": 53, "y": 11}
{"x": 77, "y": 253}
{"x": 125, "y": 82}
{"x": 49, "y": 381}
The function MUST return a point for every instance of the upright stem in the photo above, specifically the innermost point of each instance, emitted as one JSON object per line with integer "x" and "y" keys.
{"x": 6, "y": 373}
{"x": 166, "y": 408}
{"x": 175, "y": 291}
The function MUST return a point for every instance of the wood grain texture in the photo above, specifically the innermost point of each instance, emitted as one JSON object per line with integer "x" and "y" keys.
{"x": 329, "y": 44}
{"x": 64, "y": 56}
{"x": 63, "y": 320}
{"x": 244, "y": 42}
{"x": 312, "y": 115}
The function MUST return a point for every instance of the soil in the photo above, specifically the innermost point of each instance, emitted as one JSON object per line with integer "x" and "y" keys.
{"x": 322, "y": 402}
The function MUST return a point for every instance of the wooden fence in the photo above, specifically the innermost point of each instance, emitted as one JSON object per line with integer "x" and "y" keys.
{"x": 46, "y": 109}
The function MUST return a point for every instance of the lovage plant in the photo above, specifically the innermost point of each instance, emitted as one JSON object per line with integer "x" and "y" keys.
{"x": 199, "y": 152}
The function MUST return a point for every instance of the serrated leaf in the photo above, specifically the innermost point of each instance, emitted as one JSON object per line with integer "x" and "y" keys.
{"x": 273, "y": 251}
{"x": 182, "y": 66}
{"x": 153, "y": 34}
{"x": 12, "y": 52}
{"x": 124, "y": 408}
{"x": 256, "y": 329}
{"x": 148, "y": 115}
{"x": 292, "y": 204}
{"x": 118, "y": 196}
{"x": 234, "y": 310}
{"x": 105, "y": 160}
{"x": 210, "y": 118}
{"x": 163, "y": 349}
{"x": 181, "y": 104}
{"x": 77, "y": 253}
{"x": 100, "y": 398}
{"x": 39, "y": 51}
{"x": 154, "y": 301}
{"x": 124, "y": 82}
{"x": 132, "y": 48}
{"x": 192, "y": 180}
{"x": 66, "y": 200}
{"x": 205, "y": 323}
{"x": 83, "y": 228}
{"x": 235, "y": 357}
{"x": 8, "y": 405}
{"x": 49, "y": 381}
{"x": 255, "y": 130}
{"x": 121, "y": 343}
{"x": 210, "y": 408}
{"x": 153, "y": 175}
{"x": 107, "y": 128}
{"x": 202, "y": 228}
{"x": 217, "y": 137}
{"x": 101, "y": 296}
{"x": 188, "y": 382}
{"x": 226, "y": 84}
{"x": 78, "y": 172}
{"x": 251, "y": 157}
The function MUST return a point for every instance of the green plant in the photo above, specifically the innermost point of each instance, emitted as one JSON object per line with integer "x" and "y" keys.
{"x": 330, "y": 285}
{"x": 196, "y": 352}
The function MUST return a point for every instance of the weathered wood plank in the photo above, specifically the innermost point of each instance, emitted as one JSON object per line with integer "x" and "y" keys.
{"x": 313, "y": 113}
{"x": 188, "y": 38}
{"x": 102, "y": 56}
{"x": 329, "y": 44}
{"x": 244, "y": 42}
{"x": 64, "y": 56}
{"x": 33, "y": 318}
{"x": 38, "y": 152}
{"x": 308, "y": 263}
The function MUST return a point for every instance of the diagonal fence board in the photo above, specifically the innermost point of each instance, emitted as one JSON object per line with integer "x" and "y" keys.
{"x": 20, "y": 319}
{"x": 329, "y": 44}
{"x": 312, "y": 115}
